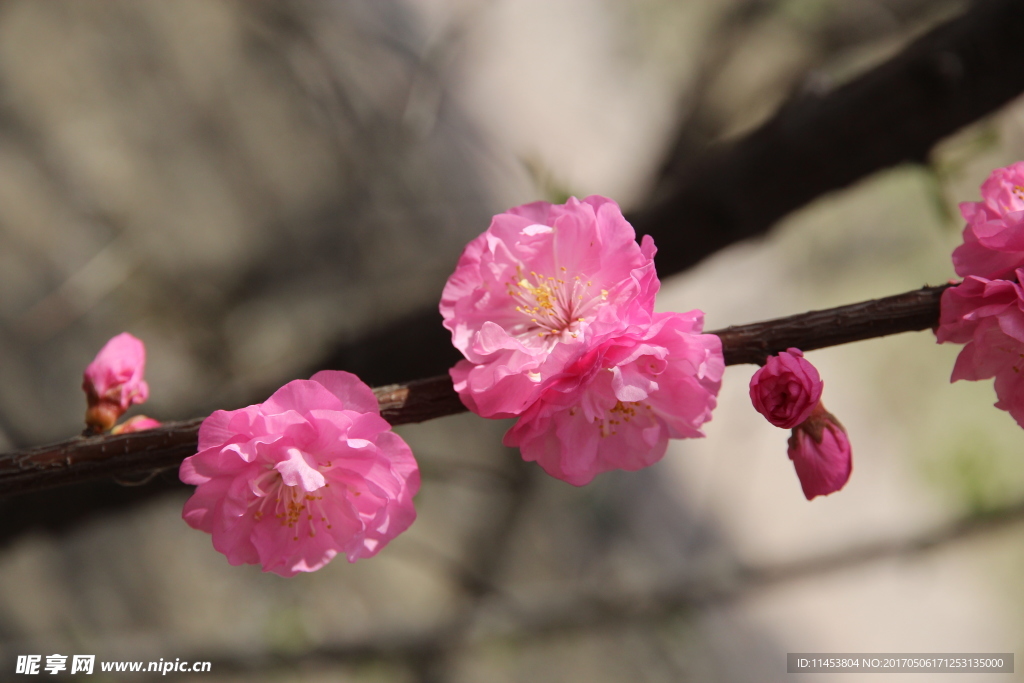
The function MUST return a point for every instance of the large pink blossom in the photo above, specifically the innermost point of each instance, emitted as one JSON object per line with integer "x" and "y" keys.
{"x": 988, "y": 316}
{"x": 542, "y": 286}
{"x": 993, "y": 244}
{"x": 616, "y": 406}
{"x": 786, "y": 389}
{"x": 311, "y": 472}
{"x": 113, "y": 381}
{"x": 821, "y": 453}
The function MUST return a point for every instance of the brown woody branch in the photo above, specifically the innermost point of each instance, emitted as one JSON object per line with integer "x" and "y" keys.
{"x": 818, "y": 142}
{"x": 133, "y": 457}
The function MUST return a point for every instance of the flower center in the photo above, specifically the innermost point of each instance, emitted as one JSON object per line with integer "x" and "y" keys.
{"x": 554, "y": 306}
{"x": 618, "y": 414}
{"x": 294, "y": 507}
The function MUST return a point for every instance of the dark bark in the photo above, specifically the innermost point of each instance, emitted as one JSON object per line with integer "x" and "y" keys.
{"x": 896, "y": 113}
{"x": 136, "y": 456}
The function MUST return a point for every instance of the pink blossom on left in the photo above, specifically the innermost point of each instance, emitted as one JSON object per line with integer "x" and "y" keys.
{"x": 113, "y": 381}
{"x": 311, "y": 472}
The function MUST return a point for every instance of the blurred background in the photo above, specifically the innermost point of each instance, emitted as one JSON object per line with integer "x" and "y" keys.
{"x": 260, "y": 189}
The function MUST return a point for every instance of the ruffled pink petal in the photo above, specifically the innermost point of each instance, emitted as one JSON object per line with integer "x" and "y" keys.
{"x": 300, "y": 396}
{"x": 349, "y": 389}
{"x": 993, "y": 245}
{"x": 300, "y": 469}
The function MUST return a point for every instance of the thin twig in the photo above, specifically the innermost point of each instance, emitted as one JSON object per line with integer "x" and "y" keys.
{"x": 131, "y": 455}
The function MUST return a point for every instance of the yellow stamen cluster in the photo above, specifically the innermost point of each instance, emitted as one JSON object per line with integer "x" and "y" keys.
{"x": 618, "y": 414}
{"x": 555, "y": 306}
{"x": 290, "y": 503}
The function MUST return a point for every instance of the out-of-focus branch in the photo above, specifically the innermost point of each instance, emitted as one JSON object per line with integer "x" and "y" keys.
{"x": 961, "y": 71}
{"x": 566, "y": 611}
{"x": 134, "y": 456}
{"x": 895, "y": 113}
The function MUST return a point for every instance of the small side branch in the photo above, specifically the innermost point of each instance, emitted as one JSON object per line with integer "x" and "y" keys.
{"x": 130, "y": 457}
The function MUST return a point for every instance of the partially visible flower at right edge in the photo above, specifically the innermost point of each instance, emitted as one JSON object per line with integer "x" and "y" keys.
{"x": 988, "y": 316}
{"x": 993, "y": 245}
{"x": 617, "y": 406}
{"x": 113, "y": 381}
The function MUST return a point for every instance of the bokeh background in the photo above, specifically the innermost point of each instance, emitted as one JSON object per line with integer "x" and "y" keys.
{"x": 260, "y": 189}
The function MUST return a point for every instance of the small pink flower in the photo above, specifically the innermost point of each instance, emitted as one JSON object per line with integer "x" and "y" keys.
{"x": 113, "y": 381}
{"x": 994, "y": 237}
{"x": 542, "y": 286}
{"x": 616, "y": 406}
{"x": 988, "y": 315}
{"x": 821, "y": 454}
{"x": 311, "y": 472}
{"x": 786, "y": 389}
{"x": 135, "y": 424}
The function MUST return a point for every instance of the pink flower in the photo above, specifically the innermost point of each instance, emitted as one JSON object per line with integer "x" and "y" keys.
{"x": 311, "y": 472}
{"x": 135, "y": 424}
{"x": 821, "y": 454}
{"x": 988, "y": 315}
{"x": 616, "y": 406}
{"x": 786, "y": 389}
{"x": 994, "y": 237}
{"x": 542, "y": 286}
{"x": 113, "y": 381}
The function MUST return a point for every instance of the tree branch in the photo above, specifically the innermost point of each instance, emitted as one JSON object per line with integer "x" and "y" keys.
{"x": 957, "y": 73}
{"x": 136, "y": 456}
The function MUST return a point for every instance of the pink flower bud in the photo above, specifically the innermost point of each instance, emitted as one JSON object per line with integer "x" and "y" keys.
{"x": 138, "y": 423}
{"x": 113, "y": 381}
{"x": 787, "y": 389}
{"x": 311, "y": 472}
{"x": 821, "y": 454}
